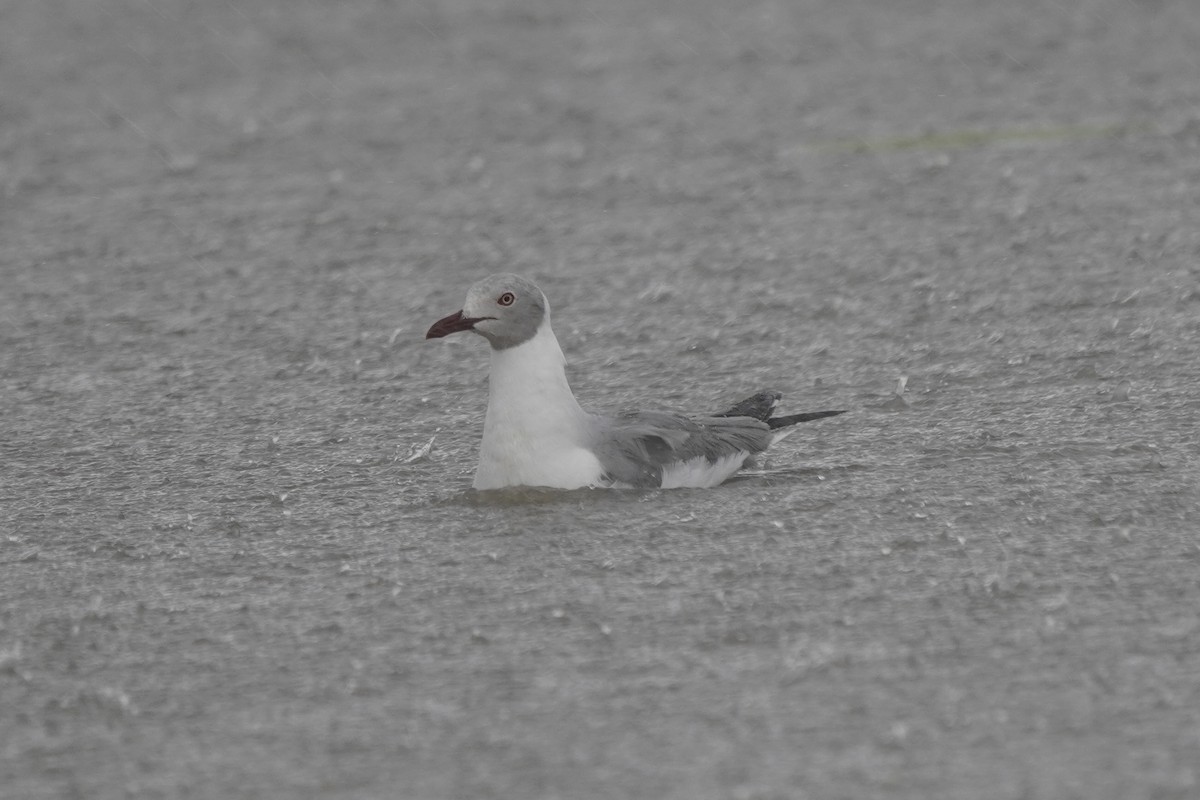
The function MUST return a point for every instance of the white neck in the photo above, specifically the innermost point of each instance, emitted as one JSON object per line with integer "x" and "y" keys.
{"x": 535, "y": 433}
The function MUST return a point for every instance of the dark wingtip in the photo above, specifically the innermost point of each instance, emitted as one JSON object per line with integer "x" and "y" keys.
{"x": 792, "y": 419}
{"x": 758, "y": 405}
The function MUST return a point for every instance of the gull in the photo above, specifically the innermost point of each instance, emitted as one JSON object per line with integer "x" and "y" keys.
{"x": 536, "y": 434}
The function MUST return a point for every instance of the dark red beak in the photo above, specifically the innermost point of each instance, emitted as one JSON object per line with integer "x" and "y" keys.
{"x": 452, "y": 324}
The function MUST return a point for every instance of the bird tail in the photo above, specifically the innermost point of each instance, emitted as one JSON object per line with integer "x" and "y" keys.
{"x": 760, "y": 406}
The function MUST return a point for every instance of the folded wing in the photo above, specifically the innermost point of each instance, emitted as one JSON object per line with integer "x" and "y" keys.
{"x": 638, "y": 448}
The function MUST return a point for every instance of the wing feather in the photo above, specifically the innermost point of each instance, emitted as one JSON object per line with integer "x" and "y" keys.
{"x": 636, "y": 447}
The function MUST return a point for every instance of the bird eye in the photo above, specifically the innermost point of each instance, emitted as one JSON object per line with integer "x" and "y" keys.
{"x": 507, "y": 299}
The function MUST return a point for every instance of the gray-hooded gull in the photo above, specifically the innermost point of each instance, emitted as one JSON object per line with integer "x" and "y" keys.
{"x": 536, "y": 434}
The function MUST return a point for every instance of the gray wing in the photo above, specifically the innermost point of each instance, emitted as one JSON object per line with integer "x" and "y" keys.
{"x": 636, "y": 446}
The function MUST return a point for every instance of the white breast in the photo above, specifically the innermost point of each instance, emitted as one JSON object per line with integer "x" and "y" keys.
{"x": 535, "y": 433}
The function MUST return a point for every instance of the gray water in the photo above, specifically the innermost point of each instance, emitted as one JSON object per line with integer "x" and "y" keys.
{"x": 229, "y": 567}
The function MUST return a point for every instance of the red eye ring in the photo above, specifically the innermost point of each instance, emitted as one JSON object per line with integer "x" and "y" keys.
{"x": 507, "y": 299}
